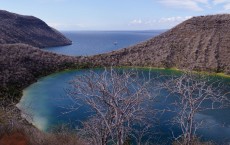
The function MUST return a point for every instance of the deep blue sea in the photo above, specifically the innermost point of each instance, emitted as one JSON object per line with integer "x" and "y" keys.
{"x": 97, "y": 42}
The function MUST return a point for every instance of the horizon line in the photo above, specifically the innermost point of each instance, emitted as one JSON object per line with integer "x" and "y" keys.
{"x": 115, "y": 30}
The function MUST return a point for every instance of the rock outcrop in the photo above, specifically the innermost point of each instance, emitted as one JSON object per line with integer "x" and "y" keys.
{"x": 30, "y": 30}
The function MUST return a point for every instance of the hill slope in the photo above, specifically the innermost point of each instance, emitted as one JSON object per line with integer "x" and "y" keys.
{"x": 30, "y": 30}
{"x": 22, "y": 64}
{"x": 200, "y": 43}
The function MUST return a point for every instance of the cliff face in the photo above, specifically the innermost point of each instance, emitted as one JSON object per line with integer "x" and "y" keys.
{"x": 16, "y": 28}
{"x": 200, "y": 43}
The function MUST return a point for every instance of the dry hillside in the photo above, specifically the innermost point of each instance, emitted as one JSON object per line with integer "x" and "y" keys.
{"x": 22, "y": 64}
{"x": 200, "y": 43}
{"x": 30, "y": 30}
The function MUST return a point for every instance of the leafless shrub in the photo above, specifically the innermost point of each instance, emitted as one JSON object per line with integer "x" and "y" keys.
{"x": 193, "y": 94}
{"x": 195, "y": 141}
{"x": 117, "y": 99}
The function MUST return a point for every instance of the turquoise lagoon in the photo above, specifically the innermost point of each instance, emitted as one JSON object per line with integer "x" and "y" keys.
{"x": 47, "y": 102}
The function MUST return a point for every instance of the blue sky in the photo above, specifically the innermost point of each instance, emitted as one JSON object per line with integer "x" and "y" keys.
{"x": 115, "y": 14}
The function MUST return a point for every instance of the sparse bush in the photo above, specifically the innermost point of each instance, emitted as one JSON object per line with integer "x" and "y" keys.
{"x": 117, "y": 100}
{"x": 193, "y": 94}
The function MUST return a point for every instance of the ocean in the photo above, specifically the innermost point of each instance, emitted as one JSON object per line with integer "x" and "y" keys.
{"x": 86, "y": 43}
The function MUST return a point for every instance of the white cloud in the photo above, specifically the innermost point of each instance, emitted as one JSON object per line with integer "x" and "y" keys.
{"x": 136, "y": 21}
{"x": 60, "y": 26}
{"x": 194, "y": 5}
{"x": 216, "y": 2}
{"x": 226, "y": 3}
{"x": 173, "y": 19}
{"x": 227, "y": 6}
{"x": 162, "y": 23}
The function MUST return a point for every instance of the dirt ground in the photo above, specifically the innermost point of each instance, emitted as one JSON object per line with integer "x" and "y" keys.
{"x": 15, "y": 138}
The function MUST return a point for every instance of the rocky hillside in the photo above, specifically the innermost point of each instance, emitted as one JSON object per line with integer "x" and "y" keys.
{"x": 200, "y": 43}
{"x": 16, "y": 28}
{"x": 21, "y": 64}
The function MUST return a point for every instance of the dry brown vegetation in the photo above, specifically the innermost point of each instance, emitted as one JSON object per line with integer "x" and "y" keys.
{"x": 119, "y": 102}
{"x": 21, "y": 64}
{"x": 14, "y": 130}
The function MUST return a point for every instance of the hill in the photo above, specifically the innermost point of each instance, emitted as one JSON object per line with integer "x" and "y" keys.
{"x": 30, "y": 30}
{"x": 200, "y": 43}
{"x": 23, "y": 64}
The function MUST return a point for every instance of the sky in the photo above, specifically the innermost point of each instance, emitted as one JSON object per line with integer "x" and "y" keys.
{"x": 115, "y": 14}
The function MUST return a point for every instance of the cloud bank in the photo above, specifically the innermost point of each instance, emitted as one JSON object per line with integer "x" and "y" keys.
{"x": 196, "y": 5}
{"x": 164, "y": 22}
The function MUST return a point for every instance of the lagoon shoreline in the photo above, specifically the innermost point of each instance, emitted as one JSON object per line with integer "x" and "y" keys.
{"x": 64, "y": 63}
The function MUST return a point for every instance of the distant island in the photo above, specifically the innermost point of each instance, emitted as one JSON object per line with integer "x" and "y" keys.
{"x": 15, "y": 28}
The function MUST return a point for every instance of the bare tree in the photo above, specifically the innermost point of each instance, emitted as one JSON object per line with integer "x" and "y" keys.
{"x": 117, "y": 99}
{"x": 192, "y": 94}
